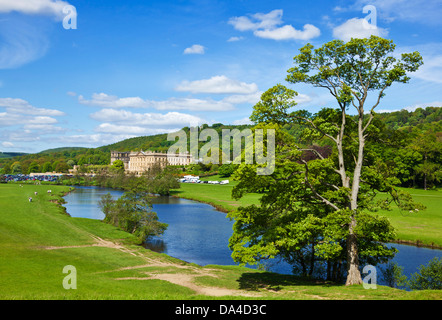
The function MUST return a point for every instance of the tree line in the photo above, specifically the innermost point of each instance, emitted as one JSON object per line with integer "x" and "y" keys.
{"x": 412, "y": 146}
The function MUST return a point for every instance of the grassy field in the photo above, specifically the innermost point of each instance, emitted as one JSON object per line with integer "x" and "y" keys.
{"x": 38, "y": 239}
{"x": 423, "y": 227}
{"x": 217, "y": 195}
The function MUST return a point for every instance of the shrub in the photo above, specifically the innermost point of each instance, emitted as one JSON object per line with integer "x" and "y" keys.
{"x": 429, "y": 276}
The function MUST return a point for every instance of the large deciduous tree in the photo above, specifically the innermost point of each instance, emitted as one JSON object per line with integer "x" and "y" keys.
{"x": 322, "y": 199}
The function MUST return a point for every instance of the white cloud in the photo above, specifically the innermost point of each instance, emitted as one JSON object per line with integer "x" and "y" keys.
{"x": 357, "y": 28}
{"x": 264, "y": 25}
{"x": 27, "y": 123}
{"x": 193, "y": 104}
{"x": 302, "y": 98}
{"x": 146, "y": 120}
{"x": 20, "y": 106}
{"x": 240, "y": 92}
{"x": 257, "y": 21}
{"x": 7, "y": 144}
{"x": 42, "y": 120}
{"x": 107, "y": 101}
{"x": 287, "y": 32}
{"x": 43, "y": 129}
{"x": 424, "y": 105}
{"x": 234, "y": 39}
{"x": 252, "y": 98}
{"x": 413, "y": 108}
{"x": 431, "y": 70}
{"x": 92, "y": 140}
{"x": 245, "y": 120}
{"x": 33, "y": 7}
{"x": 21, "y": 43}
{"x": 218, "y": 85}
{"x": 20, "y": 135}
{"x": 195, "y": 49}
{"x": 420, "y": 11}
{"x": 135, "y": 130}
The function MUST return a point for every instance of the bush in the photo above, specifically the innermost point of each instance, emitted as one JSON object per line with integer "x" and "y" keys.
{"x": 226, "y": 170}
{"x": 393, "y": 275}
{"x": 133, "y": 213}
{"x": 429, "y": 276}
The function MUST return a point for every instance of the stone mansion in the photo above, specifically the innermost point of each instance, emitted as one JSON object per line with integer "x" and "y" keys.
{"x": 139, "y": 161}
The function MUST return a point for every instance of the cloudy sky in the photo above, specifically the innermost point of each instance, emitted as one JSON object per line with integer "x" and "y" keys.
{"x": 90, "y": 73}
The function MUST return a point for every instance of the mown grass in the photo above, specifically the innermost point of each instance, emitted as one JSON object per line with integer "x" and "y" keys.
{"x": 424, "y": 226}
{"x": 217, "y": 195}
{"x": 29, "y": 270}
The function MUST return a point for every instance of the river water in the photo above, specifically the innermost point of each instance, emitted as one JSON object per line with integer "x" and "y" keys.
{"x": 200, "y": 234}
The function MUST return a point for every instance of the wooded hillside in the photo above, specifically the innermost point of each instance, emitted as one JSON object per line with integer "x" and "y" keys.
{"x": 412, "y": 146}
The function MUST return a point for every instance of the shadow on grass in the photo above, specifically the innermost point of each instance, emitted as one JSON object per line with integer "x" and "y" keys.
{"x": 255, "y": 281}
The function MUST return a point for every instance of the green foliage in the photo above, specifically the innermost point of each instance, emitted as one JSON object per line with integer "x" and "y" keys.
{"x": 292, "y": 224}
{"x": 393, "y": 275}
{"x": 16, "y": 168}
{"x": 34, "y": 167}
{"x": 132, "y": 212}
{"x": 226, "y": 170}
{"x": 161, "y": 181}
{"x": 360, "y": 64}
{"x": 118, "y": 165}
{"x": 429, "y": 276}
{"x": 314, "y": 211}
{"x": 46, "y": 167}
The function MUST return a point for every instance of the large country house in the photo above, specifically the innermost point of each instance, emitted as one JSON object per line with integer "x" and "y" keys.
{"x": 139, "y": 161}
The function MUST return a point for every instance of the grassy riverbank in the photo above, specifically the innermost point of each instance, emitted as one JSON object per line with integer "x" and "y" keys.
{"x": 422, "y": 227}
{"x": 38, "y": 239}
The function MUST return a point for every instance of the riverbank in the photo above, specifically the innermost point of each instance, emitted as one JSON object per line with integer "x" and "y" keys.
{"x": 37, "y": 241}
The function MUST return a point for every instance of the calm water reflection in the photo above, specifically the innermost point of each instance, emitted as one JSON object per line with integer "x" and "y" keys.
{"x": 198, "y": 233}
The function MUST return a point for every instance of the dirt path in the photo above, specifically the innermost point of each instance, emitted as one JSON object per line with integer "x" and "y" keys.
{"x": 185, "y": 279}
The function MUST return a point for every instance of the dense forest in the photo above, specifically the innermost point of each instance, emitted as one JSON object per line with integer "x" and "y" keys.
{"x": 411, "y": 145}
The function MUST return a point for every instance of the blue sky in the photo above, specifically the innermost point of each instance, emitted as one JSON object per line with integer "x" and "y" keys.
{"x": 133, "y": 68}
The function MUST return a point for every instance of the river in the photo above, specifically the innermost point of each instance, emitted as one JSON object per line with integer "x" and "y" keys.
{"x": 200, "y": 234}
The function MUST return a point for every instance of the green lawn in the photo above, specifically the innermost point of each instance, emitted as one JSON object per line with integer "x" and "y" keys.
{"x": 215, "y": 194}
{"x": 424, "y": 226}
{"x": 37, "y": 240}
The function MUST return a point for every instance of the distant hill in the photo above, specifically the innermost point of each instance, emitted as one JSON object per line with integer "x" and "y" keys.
{"x": 11, "y": 154}
{"x": 406, "y": 121}
{"x": 62, "y": 149}
{"x": 159, "y": 142}
{"x": 154, "y": 143}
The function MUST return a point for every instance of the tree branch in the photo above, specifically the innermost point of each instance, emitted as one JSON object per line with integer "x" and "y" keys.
{"x": 317, "y": 195}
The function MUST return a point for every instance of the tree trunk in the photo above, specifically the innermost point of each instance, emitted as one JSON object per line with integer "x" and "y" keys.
{"x": 353, "y": 273}
{"x": 312, "y": 259}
